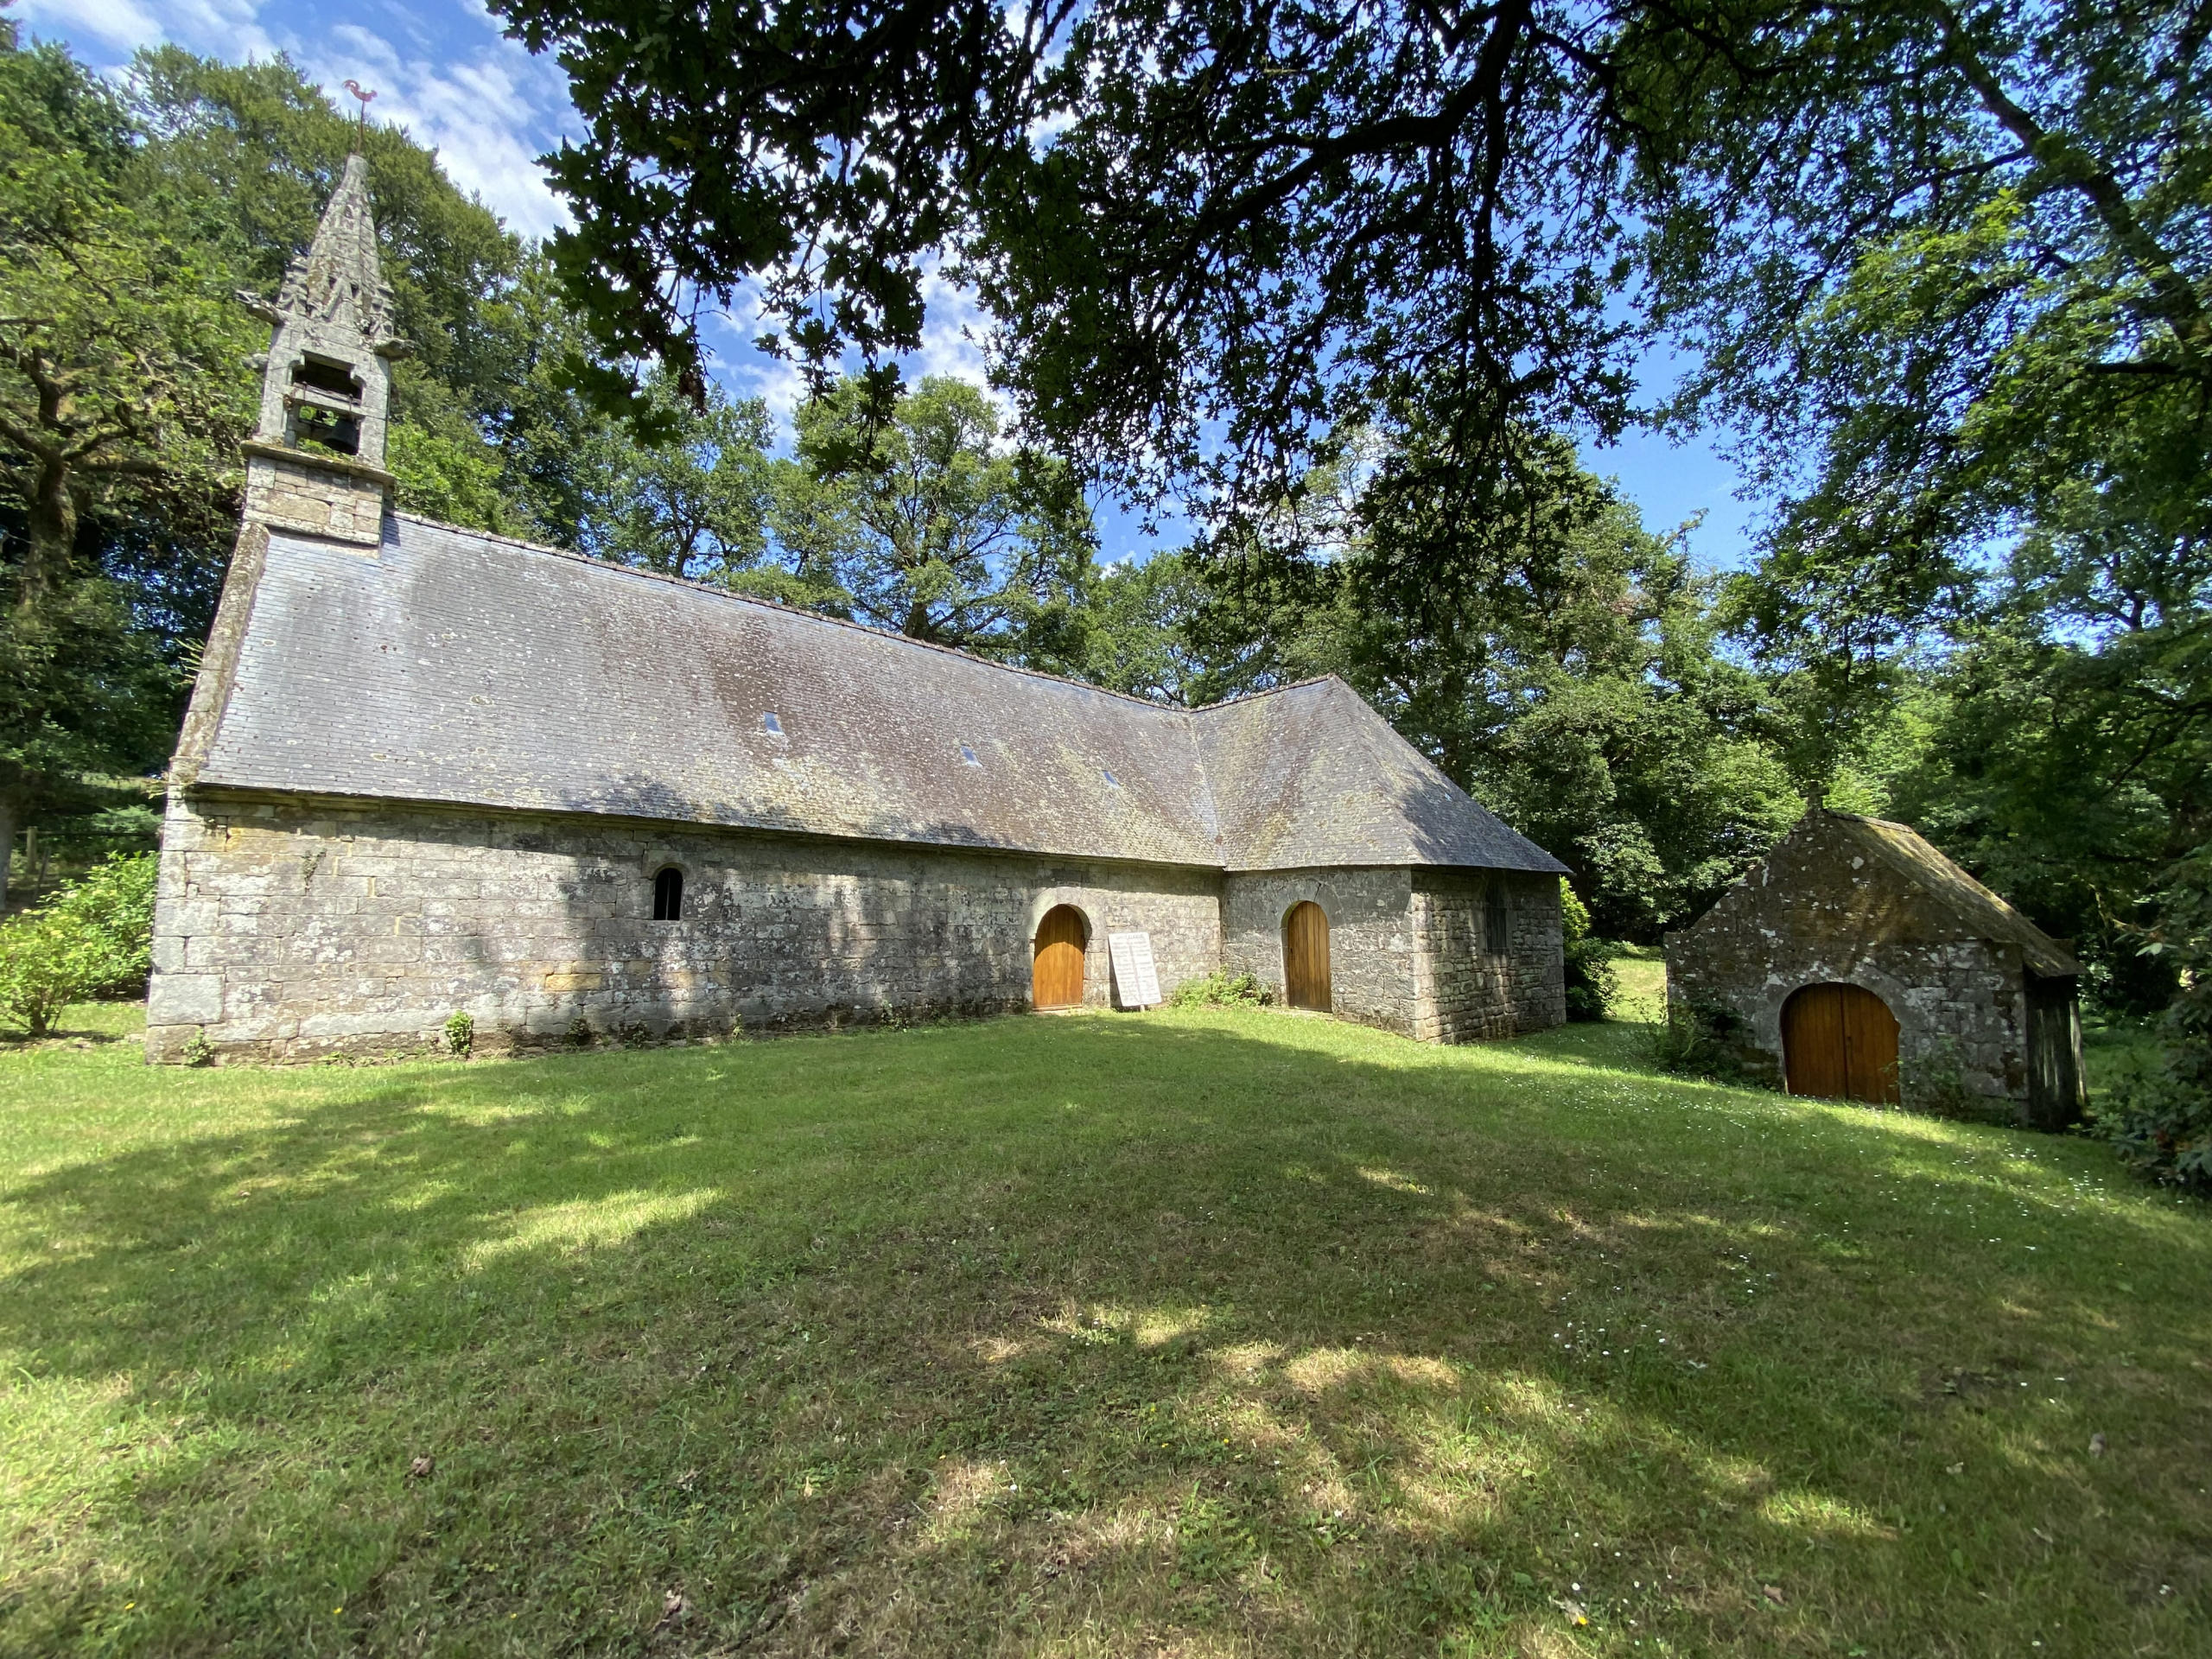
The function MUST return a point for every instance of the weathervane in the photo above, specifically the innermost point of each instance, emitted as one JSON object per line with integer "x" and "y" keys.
{"x": 354, "y": 87}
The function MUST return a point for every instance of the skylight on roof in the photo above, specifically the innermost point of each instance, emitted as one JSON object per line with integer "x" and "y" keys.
{"x": 969, "y": 755}
{"x": 1112, "y": 782}
{"x": 770, "y": 724}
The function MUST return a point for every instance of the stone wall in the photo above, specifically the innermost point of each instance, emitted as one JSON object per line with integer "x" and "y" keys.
{"x": 1406, "y": 949}
{"x": 331, "y": 496}
{"x": 287, "y": 929}
{"x": 1471, "y": 984}
{"x": 1370, "y": 941}
{"x": 1958, "y": 1003}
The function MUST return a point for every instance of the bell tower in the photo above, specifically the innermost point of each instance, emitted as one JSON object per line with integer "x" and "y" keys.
{"x": 315, "y": 460}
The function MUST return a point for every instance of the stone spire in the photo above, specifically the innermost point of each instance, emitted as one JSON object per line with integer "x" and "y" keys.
{"x": 315, "y": 460}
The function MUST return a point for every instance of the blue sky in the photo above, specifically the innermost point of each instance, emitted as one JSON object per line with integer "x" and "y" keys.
{"x": 443, "y": 70}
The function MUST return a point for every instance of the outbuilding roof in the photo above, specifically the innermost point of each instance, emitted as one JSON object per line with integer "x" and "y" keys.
{"x": 1972, "y": 908}
{"x": 450, "y": 666}
{"x": 1925, "y": 899}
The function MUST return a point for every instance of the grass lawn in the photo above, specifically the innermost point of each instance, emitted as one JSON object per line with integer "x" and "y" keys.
{"x": 1204, "y": 1333}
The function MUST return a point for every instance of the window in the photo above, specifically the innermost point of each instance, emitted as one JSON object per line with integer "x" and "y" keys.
{"x": 668, "y": 895}
{"x": 326, "y": 375}
{"x": 770, "y": 724}
{"x": 969, "y": 755}
{"x": 1497, "y": 921}
{"x": 326, "y": 405}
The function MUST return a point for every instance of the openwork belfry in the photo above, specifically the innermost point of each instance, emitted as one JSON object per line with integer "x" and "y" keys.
{"x": 428, "y": 771}
{"x": 327, "y": 386}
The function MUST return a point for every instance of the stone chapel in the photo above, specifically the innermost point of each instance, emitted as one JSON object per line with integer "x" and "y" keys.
{"x": 428, "y": 771}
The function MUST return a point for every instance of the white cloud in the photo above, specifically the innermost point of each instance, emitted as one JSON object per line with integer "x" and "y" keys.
{"x": 953, "y": 328}
{"x": 484, "y": 103}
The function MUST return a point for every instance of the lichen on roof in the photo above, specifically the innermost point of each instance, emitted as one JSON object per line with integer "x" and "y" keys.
{"x": 1975, "y": 910}
{"x": 459, "y": 667}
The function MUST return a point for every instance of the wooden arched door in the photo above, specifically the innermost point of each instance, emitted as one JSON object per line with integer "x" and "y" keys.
{"x": 1056, "y": 972}
{"x": 1305, "y": 957}
{"x": 1841, "y": 1041}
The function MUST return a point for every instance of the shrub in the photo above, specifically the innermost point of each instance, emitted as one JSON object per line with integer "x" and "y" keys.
{"x": 1697, "y": 1042}
{"x": 1220, "y": 988}
{"x": 94, "y": 939}
{"x": 110, "y": 912}
{"x": 44, "y": 967}
{"x": 461, "y": 1035}
{"x": 1590, "y": 980}
{"x": 2160, "y": 1121}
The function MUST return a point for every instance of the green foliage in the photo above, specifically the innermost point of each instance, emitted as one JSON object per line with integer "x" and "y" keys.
{"x": 1134, "y": 633}
{"x": 696, "y": 505}
{"x": 924, "y": 522}
{"x": 44, "y": 967}
{"x": 1573, "y": 686}
{"x": 1220, "y": 988}
{"x": 121, "y": 353}
{"x": 82, "y": 691}
{"x": 1591, "y": 983}
{"x": 93, "y": 939}
{"x": 460, "y": 1034}
{"x": 2161, "y": 1119}
{"x": 1697, "y": 1041}
{"x": 111, "y": 911}
{"x": 121, "y": 389}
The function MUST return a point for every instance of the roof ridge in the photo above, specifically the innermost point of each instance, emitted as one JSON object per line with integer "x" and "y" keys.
{"x": 798, "y": 611}
{"x": 1909, "y": 866}
{"x": 1271, "y": 691}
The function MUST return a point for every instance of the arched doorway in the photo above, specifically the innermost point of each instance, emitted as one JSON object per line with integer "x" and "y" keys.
{"x": 1305, "y": 957}
{"x": 1056, "y": 972}
{"x": 1841, "y": 1041}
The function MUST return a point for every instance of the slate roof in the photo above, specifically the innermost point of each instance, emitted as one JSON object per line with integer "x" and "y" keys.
{"x": 454, "y": 667}
{"x": 1928, "y": 899}
{"x": 1968, "y": 906}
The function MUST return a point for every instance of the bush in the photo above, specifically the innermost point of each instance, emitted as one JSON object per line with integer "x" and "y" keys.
{"x": 1220, "y": 988}
{"x": 112, "y": 911}
{"x": 1697, "y": 1042}
{"x": 1590, "y": 980}
{"x": 461, "y": 1035}
{"x": 43, "y": 969}
{"x": 93, "y": 939}
{"x": 2160, "y": 1121}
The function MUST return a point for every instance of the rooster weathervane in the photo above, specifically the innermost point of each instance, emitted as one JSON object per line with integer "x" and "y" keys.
{"x": 354, "y": 87}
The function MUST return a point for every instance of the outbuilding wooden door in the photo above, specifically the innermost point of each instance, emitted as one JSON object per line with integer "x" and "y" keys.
{"x": 1305, "y": 957}
{"x": 1056, "y": 973}
{"x": 1841, "y": 1041}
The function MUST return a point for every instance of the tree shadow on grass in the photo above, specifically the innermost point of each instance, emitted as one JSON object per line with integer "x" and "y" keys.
{"x": 1093, "y": 1335}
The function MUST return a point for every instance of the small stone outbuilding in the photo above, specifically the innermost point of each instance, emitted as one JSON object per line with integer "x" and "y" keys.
{"x": 1858, "y": 961}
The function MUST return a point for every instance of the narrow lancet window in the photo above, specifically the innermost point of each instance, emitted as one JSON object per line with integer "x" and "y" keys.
{"x": 1497, "y": 924}
{"x": 668, "y": 895}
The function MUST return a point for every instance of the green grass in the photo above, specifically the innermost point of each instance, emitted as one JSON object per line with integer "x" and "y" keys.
{"x": 1198, "y": 1333}
{"x": 1640, "y": 992}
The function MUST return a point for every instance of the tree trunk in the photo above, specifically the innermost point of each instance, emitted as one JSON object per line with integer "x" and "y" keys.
{"x": 53, "y": 524}
{"x": 7, "y": 844}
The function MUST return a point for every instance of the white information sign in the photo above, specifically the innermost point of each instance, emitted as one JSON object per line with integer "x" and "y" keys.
{"x": 1136, "y": 982}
